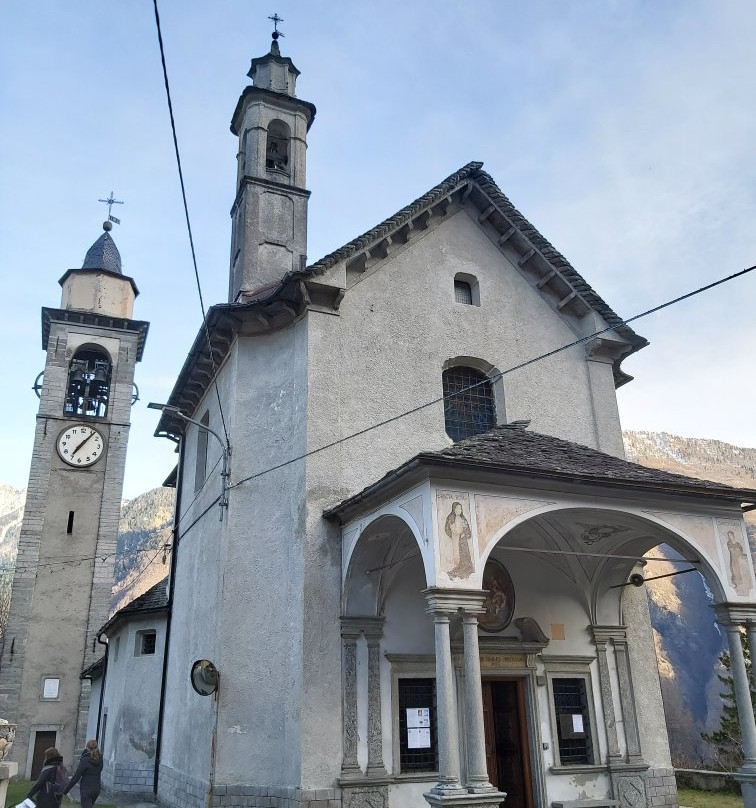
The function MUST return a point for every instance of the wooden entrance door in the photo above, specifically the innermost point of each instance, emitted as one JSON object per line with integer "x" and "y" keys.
{"x": 43, "y": 739}
{"x": 505, "y": 726}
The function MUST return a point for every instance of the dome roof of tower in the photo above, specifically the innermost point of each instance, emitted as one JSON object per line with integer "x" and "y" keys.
{"x": 103, "y": 254}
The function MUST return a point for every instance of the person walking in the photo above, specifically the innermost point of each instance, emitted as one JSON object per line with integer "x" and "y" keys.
{"x": 48, "y": 790}
{"x": 88, "y": 772}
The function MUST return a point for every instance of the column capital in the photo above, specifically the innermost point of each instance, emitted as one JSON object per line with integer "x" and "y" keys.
{"x": 452, "y": 601}
{"x": 735, "y": 614}
{"x": 602, "y": 634}
{"x": 354, "y": 625}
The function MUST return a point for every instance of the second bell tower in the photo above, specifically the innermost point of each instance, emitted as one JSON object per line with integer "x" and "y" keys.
{"x": 269, "y": 215}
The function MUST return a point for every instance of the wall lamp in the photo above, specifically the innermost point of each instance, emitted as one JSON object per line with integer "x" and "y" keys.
{"x": 169, "y": 409}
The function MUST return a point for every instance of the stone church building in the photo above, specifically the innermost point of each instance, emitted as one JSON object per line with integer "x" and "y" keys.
{"x": 412, "y": 553}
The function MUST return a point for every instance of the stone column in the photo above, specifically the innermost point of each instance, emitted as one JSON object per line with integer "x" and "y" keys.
{"x": 601, "y": 634}
{"x": 742, "y": 693}
{"x": 477, "y": 771}
{"x": 731, "y": 617}
{"x": 375, "y": 767}
{"x": 447, "y": 731}
{"x": 627, "y": 700}
{"x": 350, "y": 735}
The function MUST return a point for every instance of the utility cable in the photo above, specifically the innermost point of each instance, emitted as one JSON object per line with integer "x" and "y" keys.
{"x": 492, "y": 378}
{"x": 186, "y": 215}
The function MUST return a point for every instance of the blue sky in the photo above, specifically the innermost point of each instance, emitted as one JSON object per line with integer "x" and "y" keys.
{"x": 625, "y": 131}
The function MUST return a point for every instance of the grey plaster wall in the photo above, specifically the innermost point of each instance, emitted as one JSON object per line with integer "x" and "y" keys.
{"x": 239, "y": 591}
{"x": 132, "y": 700}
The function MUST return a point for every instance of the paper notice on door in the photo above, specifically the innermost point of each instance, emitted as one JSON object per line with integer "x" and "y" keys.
{"x": 577, "y": 723}
{"x": 418, "y": 728}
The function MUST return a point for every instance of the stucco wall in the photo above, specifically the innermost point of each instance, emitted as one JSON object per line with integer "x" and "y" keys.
{"x": 131, "y": 702}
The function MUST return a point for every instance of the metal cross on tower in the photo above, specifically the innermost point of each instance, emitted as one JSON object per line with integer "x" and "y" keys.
{"x": 110, "y": 201}
{"x": 276, "y": 19}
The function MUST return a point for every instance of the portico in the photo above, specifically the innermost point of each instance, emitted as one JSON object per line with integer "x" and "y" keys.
{"x": 506, "y": 574}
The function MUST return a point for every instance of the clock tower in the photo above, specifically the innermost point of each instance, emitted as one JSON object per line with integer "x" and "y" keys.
{"x": 66, "y": 554}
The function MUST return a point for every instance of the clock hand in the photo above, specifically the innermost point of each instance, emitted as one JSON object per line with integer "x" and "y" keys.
{"x": 82, "y": 443}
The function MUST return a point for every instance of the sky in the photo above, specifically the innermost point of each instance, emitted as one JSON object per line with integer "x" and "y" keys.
{"x": 625, "y": 131}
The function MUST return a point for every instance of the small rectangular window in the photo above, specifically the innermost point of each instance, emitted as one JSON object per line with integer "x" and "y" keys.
{"x": 200, "y": 468}
{"x": 418, "y": 751}
{"x": 572, "y": 721}
{"x": 69, "y": 526}
{"x": 116, "y": 648}
{"x": 50, "y": 688}
{"x": 145, "y": 643}
{"x": 463, "y": 292}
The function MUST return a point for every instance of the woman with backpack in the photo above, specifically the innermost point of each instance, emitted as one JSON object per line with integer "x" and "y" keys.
{"x": 88, "y": 771}
{"x": 48, "y": 790}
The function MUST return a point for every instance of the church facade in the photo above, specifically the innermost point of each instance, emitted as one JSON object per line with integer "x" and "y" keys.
{"x": 414, "y": 555}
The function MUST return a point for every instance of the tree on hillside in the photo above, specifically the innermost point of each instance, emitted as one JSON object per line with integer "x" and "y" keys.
{"x": 726, "y": 740}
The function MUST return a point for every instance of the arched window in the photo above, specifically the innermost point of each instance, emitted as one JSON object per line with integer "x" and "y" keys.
{"x": 277, "y": 148}
{"x": 88, "y": 389}
{"x": 469, "y": 407}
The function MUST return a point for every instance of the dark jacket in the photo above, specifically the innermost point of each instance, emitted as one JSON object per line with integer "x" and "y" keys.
{"x": 42, "y": 791}
{"x": 88, "y": 771}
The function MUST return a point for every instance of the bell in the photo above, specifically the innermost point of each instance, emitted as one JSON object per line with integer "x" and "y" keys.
{"x": 101, "y": 372}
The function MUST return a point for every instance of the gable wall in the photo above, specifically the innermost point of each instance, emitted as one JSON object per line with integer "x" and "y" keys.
{"x": 383, "y": 355}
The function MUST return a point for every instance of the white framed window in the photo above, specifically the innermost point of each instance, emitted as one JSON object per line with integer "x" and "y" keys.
{"x": 413, "y": 713}
{"x": 146, "y": 642}
{"x": 572, "y": 712}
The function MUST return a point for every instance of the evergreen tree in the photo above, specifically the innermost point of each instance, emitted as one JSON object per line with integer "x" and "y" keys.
{"x": 726, "y": 740}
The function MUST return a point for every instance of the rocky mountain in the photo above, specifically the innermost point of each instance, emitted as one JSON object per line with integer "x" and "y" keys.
{"x": 144, "y": 544}
{"x": 688, "y": 640}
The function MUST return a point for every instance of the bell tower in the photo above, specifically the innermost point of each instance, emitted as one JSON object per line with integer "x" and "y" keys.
{"x": 64, "y": 569}
{"x": 269, "y": 215}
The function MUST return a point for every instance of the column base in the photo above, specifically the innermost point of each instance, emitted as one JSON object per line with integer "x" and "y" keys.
{"x": 746, "y": 776}
{"x": 455, "y": 799}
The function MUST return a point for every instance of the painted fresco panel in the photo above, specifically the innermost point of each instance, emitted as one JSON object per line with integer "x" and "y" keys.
{"x": 734, "y": 548}
{"x": 456, "y": 559}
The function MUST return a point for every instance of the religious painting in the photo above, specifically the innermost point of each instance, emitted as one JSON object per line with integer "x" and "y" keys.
{"x": 455, "y": 534}
{"x": 500, "y": 600}
{"x": 735, "y": 549}
{"x": 493, "y": 513}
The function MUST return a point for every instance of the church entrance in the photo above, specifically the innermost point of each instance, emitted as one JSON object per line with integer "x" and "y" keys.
{"x": 505, "y": 726}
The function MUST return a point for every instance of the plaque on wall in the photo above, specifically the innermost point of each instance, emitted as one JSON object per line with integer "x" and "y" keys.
{"x": 500, "y": 600}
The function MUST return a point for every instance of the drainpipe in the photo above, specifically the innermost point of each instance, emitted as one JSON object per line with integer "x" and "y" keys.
{"x": 102, "y": 687}
{"x": 167, "y": 642}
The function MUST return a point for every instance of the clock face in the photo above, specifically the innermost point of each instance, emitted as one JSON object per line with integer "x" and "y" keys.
{"x": 80, "y": 445}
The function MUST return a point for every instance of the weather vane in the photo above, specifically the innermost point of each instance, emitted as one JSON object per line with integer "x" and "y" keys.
{"x": 110, "y": 201}
{"x": 276, "y": 19}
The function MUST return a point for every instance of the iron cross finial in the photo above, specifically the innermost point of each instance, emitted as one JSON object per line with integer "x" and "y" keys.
{"x": 276, "y": 19}
{"x": 110, "y": 201}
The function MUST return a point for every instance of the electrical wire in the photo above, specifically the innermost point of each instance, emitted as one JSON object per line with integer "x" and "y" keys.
{"x": 492, "y": 378}
{"x": 186, "y": 213}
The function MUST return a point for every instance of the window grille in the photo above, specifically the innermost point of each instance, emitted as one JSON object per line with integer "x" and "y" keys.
{"x": 467, "y": 412}
{"x": 463, "y": 292}
{"x": 417, "y": 694}
{"x": 573, "y": 722}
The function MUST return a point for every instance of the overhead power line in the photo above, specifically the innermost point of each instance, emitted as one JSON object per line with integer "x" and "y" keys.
{"x": 186, "y": 213}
